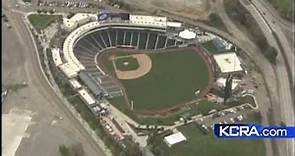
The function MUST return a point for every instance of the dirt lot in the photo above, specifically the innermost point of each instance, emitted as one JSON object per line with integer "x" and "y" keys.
{"x": 195, "y": 9}
{"x": 44, "y": 126}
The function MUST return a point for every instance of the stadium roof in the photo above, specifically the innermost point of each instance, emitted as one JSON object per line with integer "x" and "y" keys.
{"x": 86, "y": 97}
{"x": 69, "y": 70}
{"x": 90, "y": 83}
{"x": 174, "y": 138}
{"x": 56, "y": 56}
{"x": 75, "y": 84}
{"x": 155, "y": 21}
{"x": 228, "y": 62}
{"x": 174, "y": 24}
{"x": 187, "y": 34}
{"x": 78, "y": 18}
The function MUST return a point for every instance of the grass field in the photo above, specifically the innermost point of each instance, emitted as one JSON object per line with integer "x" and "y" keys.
{"x": 42, "y": 21}
{"x": 132, "y": 63}
{"x": 284, "y": 7}
{"x": 199, "y": 144}
{"x": 174, "y": 78}
{"x": 215, "y": 21}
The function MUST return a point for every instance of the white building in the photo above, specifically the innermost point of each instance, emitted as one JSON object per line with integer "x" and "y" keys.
{"x": 75, "y": 84}
{"x": 222, "y": 81}
{"x": 154, "y": 21}
{"x": 77, "y": 19}
{"x": 56, "y": 56}
{"x": 174, "y": 138}
{"x": 174, "y": 24}
{"x": 86, "y": 97}
{"x": 228, "y": 62}
{"x": 69, "y": 69}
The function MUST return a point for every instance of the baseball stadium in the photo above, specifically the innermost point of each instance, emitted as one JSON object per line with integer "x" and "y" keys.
{"x": 145, "y": 60}
{"x": 137, "y": 74}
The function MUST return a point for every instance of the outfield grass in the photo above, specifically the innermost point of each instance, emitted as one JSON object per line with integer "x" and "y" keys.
{"x": 198, "y": 143}
{"x": 119, "y": 103}
{"x": 40, "y": 22}
{"x": 132, "y": 63}
{"x": 204, "y": 107}
{"x": 174, "y": 78}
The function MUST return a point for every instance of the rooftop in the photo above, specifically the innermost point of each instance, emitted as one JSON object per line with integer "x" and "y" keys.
{"x": 228, "y": 62}
{"x": 56, "y": 56}
{"x": 174, "y": 138}
{"x": 86, "y": 96}
{"x": 90, "y": 83}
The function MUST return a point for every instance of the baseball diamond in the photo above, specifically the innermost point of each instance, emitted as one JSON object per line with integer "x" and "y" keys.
{"x": 126, "y": 63}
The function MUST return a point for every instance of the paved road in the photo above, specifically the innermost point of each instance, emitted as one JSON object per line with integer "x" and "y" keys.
{"x": 34, "y": 73}
{"x": 273, "y": 22}
{"x": 265, "y": 20}
{"x": 275, "y": 15}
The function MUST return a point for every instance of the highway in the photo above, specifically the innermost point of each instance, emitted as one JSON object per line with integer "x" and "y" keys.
{"x": 274, "y": 24}
{"x": 36, "y": 78}
{"x": 269, "y": 23}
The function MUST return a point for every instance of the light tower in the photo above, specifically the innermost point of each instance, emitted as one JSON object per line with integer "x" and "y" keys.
{"x": 228, "y": 88}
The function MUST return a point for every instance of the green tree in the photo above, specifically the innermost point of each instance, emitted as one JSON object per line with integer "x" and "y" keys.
{"x": 271, "y": 54}
{"x": 64, "y": 151}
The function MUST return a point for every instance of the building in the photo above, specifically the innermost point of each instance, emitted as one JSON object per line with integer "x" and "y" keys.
{"x": 79, "y": 18}
{"x": 86, "y": 97}
{"x": 174, "y": 138}
{"x": 69, "y": 69}
{"x": 221, "y": 82}
{"x": 75, "y": 84}
{"x": 174, "y": 24}
{"x": 154, "y": 21}
{"x": 228, "y": 62}
{"x": 91, "y": 84}
{"x": 56, "y": 56}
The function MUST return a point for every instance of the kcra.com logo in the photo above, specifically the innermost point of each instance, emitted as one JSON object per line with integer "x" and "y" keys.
{"x": 252, "y": 131}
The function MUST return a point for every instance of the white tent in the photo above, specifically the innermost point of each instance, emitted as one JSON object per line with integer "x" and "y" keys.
{"x": 187, "y": 34}
{"x": 174, "y": 138}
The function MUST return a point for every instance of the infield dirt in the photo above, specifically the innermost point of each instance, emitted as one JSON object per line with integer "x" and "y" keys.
{"x": 144, "y": 66}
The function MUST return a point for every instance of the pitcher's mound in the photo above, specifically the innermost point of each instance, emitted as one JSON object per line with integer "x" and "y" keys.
{"x": 132, "y": 66}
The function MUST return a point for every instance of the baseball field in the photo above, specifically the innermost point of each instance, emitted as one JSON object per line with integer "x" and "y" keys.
{"x": 176, "y": 77}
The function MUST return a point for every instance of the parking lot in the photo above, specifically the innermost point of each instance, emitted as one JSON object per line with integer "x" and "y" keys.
{"x": 67, "y": 3}
{"x": 228, "y": 116}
